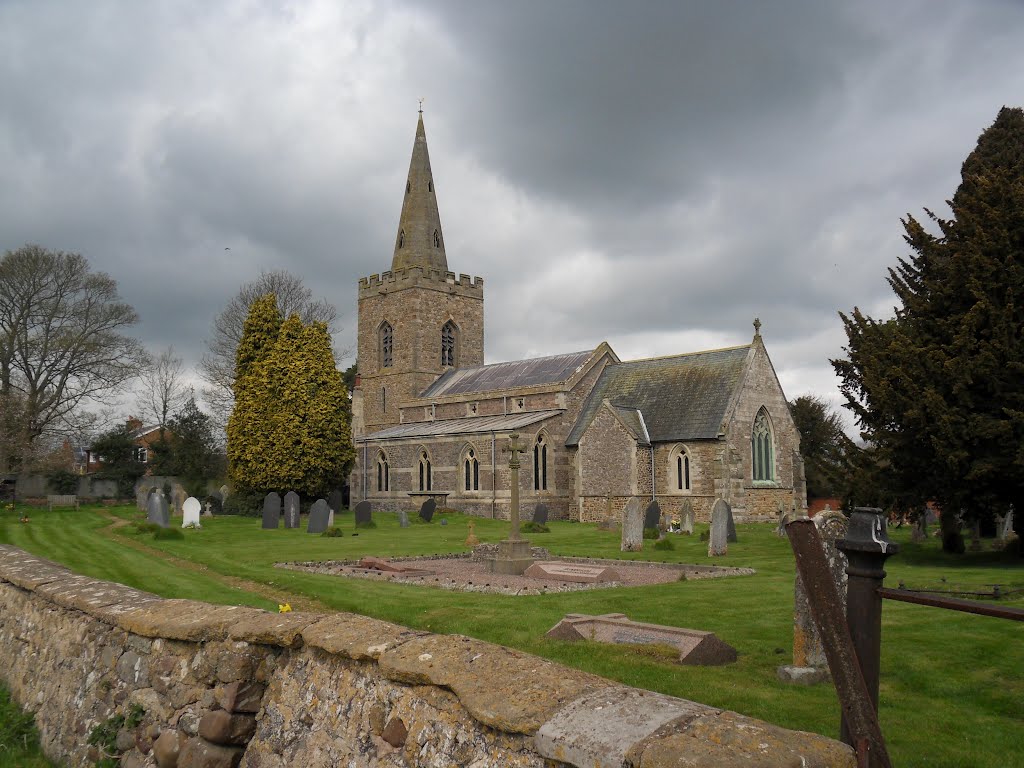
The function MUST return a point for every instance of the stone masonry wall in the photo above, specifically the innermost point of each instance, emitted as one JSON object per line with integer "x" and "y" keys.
{"x": 210, "y": 686}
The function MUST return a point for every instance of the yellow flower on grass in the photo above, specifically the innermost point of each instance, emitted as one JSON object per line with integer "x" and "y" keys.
{"x": 284, "y": 608}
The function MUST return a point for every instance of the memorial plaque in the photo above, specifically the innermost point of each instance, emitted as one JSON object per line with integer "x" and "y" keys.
{"x": 291, "y": 510}
{"x": 363, "y": 512}
{"x": 652, "y": 515}
{"x": 319, "y": 517}
{"x": 540, "y": 514}
{"x": 428, "y": 509}
{"x": 272, "y": 511}
{"x": 696, "y": 647}
{"x": 580, "y": 574}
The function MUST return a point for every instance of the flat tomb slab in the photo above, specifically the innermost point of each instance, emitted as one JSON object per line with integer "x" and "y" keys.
{"x": 583, "y": 574}
{"x": 696, "y": 647}
{"x": 386, "y": 566}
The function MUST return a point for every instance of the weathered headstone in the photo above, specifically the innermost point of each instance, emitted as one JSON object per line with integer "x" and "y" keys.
{"x": 652, "y": 515}
{"x": 208, "y": 509}
{"x": 142, "y": 497}
{"x": 919, "y": 532}
{"x": 403, "y": 519}
{"x": 224, "y": 493}
{"x": 632, "y": 526}
{"x": 718, "y": 541}
{"x": 363, "y": 512}
{"x": 335, "y": 500}
{"x": 319, "y": 517}
{"x": 780, "y": 531}
{"x": 809, "y": 662}
{"x": 292, "y": 510}
{"x": 695, "y": 646}
{"x": 540, "y": 514}
{"x": 730, "y": 527}
{"x": 428, "y": 509}
{"x": 190, "y": 512}
{"x": 1007, "y": 527}
{"x": 688, "y": 518}
{"x": 272, "y": 511}
{"x": 157, "y": 510}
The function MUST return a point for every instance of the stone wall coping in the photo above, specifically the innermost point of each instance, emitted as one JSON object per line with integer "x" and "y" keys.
{"x": 575, "y": 717}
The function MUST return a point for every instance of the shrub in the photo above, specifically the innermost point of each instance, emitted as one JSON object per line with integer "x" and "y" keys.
{"x": 651, "y": 533}
{"x": 216, "y": 507}
{"x": 531, "y": 527}
{"x": 63, "y": 482}
{"x": 334, "y": 531}
{"x": 367, "y": 524}
{"x": 244, "y": 503}
{"x": 664, "y": 544}
{"x": 168, "y": 533}
{"x": 17, "y": 728}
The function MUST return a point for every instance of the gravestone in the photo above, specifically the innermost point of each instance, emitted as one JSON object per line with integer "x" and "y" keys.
{"x": 809, "y": 662}
{"x": 688, "y": 518}
{"x": 730, "y": 532}
{"x": 578, "y": 574}
{"x": 330, "y": 517}
{"x": 1007, "y": 527}
{"x": 695, "y": 646}
{"x": 718, "y": 541}
{"x": 319, "y": 517}
{"x": 190, "y": 512}
{"x": 363, "y": 512}
{"x": 335, "y": 500}
{"x": 157, "y": 510}
{"x": 272, "y": 511}
{"x": 540, "y": 514}
{"x": 403, "y": 519}
{"x": 783, "y": 519}
{"x": 632, "y": 526}
{"x": 920, "y": 530}
{"x": 142, "y": 498}
{"x": 292, "y": 510}
{"x": 652, "y": 515}
{"x": 427, "y": 510}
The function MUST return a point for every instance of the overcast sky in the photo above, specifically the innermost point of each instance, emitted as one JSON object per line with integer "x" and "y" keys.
{"x": 652, "y": 174}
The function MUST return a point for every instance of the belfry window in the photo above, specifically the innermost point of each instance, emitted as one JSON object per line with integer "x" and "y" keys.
{"x": 437, "y": 239}
{"x": 383, "y": 475}
{"x": 387, "y": 345}
{"x": 408, "y": 187}
{"x": 401, "y": 238}
{"x": 448, "y": 334}
{"x": 540, "y": 464}
{"x": 425, "y": 481}
{"x": 472, "y": 467}
{"x": 762, "y": 449}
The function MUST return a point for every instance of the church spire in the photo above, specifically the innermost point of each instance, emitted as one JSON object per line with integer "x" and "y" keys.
{"x": 419, "y": 242}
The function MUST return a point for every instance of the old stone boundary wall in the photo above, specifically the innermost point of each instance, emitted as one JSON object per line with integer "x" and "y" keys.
{"x": 210, "y": 685}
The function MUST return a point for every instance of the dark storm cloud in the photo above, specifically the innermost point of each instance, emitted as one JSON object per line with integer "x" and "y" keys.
{"x": 655, "y": 174}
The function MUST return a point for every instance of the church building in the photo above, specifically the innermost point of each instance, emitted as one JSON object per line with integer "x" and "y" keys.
{"x": 431, "y": 419}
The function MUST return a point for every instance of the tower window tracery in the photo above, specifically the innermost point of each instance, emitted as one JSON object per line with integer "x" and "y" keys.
{"x": 472, "y": 467}
{"x": 448, "y": 341}
{"x": 425, "y": 479}
{"x": 762, "y": 448}
{"x": 383, "y": 474}
{"x": 387, "y": 345}
{"x": 437, "y": 239}
{"x": 401, "y": 238}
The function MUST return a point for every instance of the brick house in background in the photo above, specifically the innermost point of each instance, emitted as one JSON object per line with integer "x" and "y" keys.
{"x": 142, "y": 436}
{"x": 430, "y": 418}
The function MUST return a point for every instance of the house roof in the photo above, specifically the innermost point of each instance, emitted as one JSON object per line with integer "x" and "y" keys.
{"x": 684, "y": 397}
{"x": 471, "y": 425}
{"x": 509, "y": 375}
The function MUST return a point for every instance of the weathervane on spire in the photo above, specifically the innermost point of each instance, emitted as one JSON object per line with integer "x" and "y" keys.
{"x": 421, "y": 106}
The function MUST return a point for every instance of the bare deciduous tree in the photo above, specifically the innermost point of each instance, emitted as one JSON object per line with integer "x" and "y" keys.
{"x": 218, "y": 364}
{"x": 163, "y": 390}
{"x": 61, "y": 342}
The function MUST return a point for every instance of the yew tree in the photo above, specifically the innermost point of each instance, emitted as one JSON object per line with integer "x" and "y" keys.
{"x": 938, "y": 390}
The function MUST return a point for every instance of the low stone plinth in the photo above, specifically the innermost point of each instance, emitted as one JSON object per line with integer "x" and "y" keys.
{"x": 513, "y": 557}
{"x": 696, "y": 647}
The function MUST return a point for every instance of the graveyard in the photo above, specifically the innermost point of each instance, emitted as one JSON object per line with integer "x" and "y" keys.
{"x": 951, "y": 683}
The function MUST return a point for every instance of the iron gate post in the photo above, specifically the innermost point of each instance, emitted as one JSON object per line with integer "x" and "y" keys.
{"x": 866, "y": 547}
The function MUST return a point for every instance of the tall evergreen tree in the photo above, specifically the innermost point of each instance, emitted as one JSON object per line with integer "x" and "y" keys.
{"x": 826, "y": 450}
{"x": 939, "y": 389}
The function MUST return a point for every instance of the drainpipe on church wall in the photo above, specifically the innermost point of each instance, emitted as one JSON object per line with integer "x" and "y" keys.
{"x": 654, "y": 490}
{"x": 364, "y": 472}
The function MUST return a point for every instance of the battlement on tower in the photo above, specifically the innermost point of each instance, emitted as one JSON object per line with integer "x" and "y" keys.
{"x": 413, "y": 277}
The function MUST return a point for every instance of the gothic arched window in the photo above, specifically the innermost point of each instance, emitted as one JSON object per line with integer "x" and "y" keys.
{"x": 437, "y": 239}
{"x": 448, "y": 339}
{"x": 762, "y": 448}
{"x": 383, "y": 474}
{"x": 680, "y": 468}
{"x": 387, "y": 344}
{"x": 540, "y": 464}
{"x": 401, "y": 238}
{"x": 425, "y": 480}
{"x": 472, "y": 467}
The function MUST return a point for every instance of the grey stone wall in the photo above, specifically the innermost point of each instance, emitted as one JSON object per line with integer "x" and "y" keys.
{"x": 221, "y": 685}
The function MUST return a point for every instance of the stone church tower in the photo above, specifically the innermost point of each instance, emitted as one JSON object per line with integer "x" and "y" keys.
{"x": 417, "y": 320}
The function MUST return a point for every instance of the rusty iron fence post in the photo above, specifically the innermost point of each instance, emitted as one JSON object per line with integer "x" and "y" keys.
{"x": 866, "y": 547}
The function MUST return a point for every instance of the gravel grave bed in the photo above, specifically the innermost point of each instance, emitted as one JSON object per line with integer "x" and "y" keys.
{"x": 470, "y": 573}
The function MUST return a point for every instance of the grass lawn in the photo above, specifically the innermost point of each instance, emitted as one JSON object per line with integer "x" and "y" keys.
{"x": 19, "y": 741}
{"x": 952, "y": 691}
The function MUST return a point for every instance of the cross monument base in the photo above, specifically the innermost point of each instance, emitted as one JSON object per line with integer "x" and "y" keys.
{"x": 513, "y": 557}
